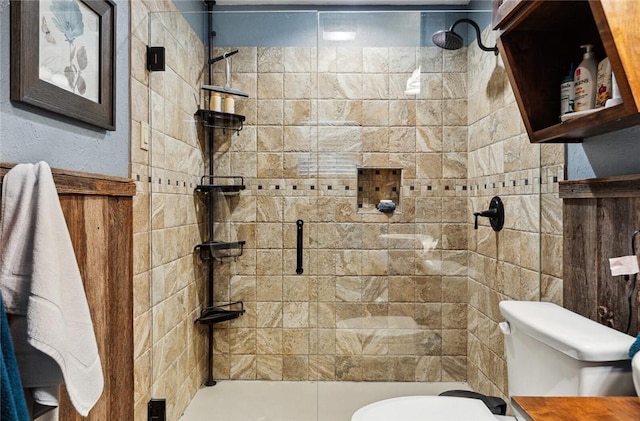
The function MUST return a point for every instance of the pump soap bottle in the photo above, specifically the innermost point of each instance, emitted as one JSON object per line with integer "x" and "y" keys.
{"x": 585, "y": 80}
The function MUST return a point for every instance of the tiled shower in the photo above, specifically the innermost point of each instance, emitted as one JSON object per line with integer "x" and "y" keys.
{"x": 404, "y": 296}
{"x": 330, "y": 127}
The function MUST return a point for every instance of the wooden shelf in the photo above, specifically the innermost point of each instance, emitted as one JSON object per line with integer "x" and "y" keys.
{"x": 538, "y": 40}
{"x": 607, "y": 120}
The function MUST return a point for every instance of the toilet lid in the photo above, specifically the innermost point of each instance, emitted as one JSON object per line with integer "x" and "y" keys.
{"x": 425, "y": 408}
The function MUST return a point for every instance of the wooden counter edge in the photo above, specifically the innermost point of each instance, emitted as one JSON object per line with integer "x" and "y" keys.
{"x": 567, "y": 408}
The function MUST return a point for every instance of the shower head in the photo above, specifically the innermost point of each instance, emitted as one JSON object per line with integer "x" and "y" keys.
{"x": 450, "y": 40}
{"x": 447, "y": 39}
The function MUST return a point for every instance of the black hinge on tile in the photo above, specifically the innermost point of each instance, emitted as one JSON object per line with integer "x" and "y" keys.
{"x": 157, "y": 410}
{"x": 155, "y": 59}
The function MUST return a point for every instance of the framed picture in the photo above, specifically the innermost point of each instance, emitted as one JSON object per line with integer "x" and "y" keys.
{"x": 63, "y": 58}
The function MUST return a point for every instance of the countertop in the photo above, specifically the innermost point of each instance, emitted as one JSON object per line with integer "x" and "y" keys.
{"x": 551, "y": 408}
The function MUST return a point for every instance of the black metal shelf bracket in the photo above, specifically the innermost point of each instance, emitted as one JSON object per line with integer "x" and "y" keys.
{"x": 217, "y": 314}
{"x": 219, "y": 120}
{"x": 215, "y": 250}
{"x": 225, "y": 184}
{"x": 211, "y": 251}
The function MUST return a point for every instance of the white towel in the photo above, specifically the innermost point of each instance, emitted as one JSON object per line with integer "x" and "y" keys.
{"x": 40, "y": 280}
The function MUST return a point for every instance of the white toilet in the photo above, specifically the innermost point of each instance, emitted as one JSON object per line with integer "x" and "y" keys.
{"x": 550, "y": 351}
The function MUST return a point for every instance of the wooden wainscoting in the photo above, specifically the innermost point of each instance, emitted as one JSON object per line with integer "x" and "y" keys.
{"x": 99, "y": 214}
{"x": 600, "y": 216}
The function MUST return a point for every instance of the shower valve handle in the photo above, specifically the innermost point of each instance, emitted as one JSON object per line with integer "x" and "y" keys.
{"x": 495, "y": 213}
{"x": 489, "y": 213}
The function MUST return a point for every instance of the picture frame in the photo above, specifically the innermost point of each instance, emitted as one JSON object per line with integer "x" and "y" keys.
{"x": 63, "y": 58}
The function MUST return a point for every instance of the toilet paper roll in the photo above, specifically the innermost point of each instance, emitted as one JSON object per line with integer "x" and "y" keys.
{"x": 625, "y": 265}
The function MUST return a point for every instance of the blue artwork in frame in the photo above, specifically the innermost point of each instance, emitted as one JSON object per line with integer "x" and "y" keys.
{"x": 63, "y": 58}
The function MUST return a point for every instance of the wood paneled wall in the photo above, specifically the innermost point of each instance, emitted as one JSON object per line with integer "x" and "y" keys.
{"x": 600, "y": 217}
{"x": 99, "y": 214}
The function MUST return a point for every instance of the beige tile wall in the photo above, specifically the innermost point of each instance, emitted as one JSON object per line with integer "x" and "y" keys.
{"x": 510, "y": 264}
{"x": 374, "y": 302}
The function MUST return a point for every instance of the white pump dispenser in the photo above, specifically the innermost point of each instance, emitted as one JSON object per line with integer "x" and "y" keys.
{"x": 585, "y": 80}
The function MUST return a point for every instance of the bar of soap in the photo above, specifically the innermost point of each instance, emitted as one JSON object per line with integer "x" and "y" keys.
{"x": 386, "y": 206}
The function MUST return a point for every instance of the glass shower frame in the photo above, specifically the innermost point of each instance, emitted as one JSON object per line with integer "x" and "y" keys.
{"x": 375, "y": 282}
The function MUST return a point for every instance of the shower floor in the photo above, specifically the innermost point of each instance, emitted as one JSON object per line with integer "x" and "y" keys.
{"x": 239, "y": 400}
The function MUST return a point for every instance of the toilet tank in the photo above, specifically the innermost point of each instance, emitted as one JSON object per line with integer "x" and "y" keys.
{"x": 552, "y": 351}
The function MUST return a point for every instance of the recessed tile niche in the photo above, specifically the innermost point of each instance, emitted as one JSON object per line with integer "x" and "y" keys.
{"x": 376, "y": 184}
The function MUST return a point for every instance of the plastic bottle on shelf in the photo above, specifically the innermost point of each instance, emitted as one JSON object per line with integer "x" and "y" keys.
{"x": 229, "y": 106}
{"x": 603, "y": 90}
{"x": 567, "y": 92}
{"x": 585, "y": 80}
{"x": 215, "y": 102}
{"x": 616, "y": 98}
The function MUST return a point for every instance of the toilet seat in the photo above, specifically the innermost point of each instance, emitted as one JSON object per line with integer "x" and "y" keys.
{"x": 426, "y": 408}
